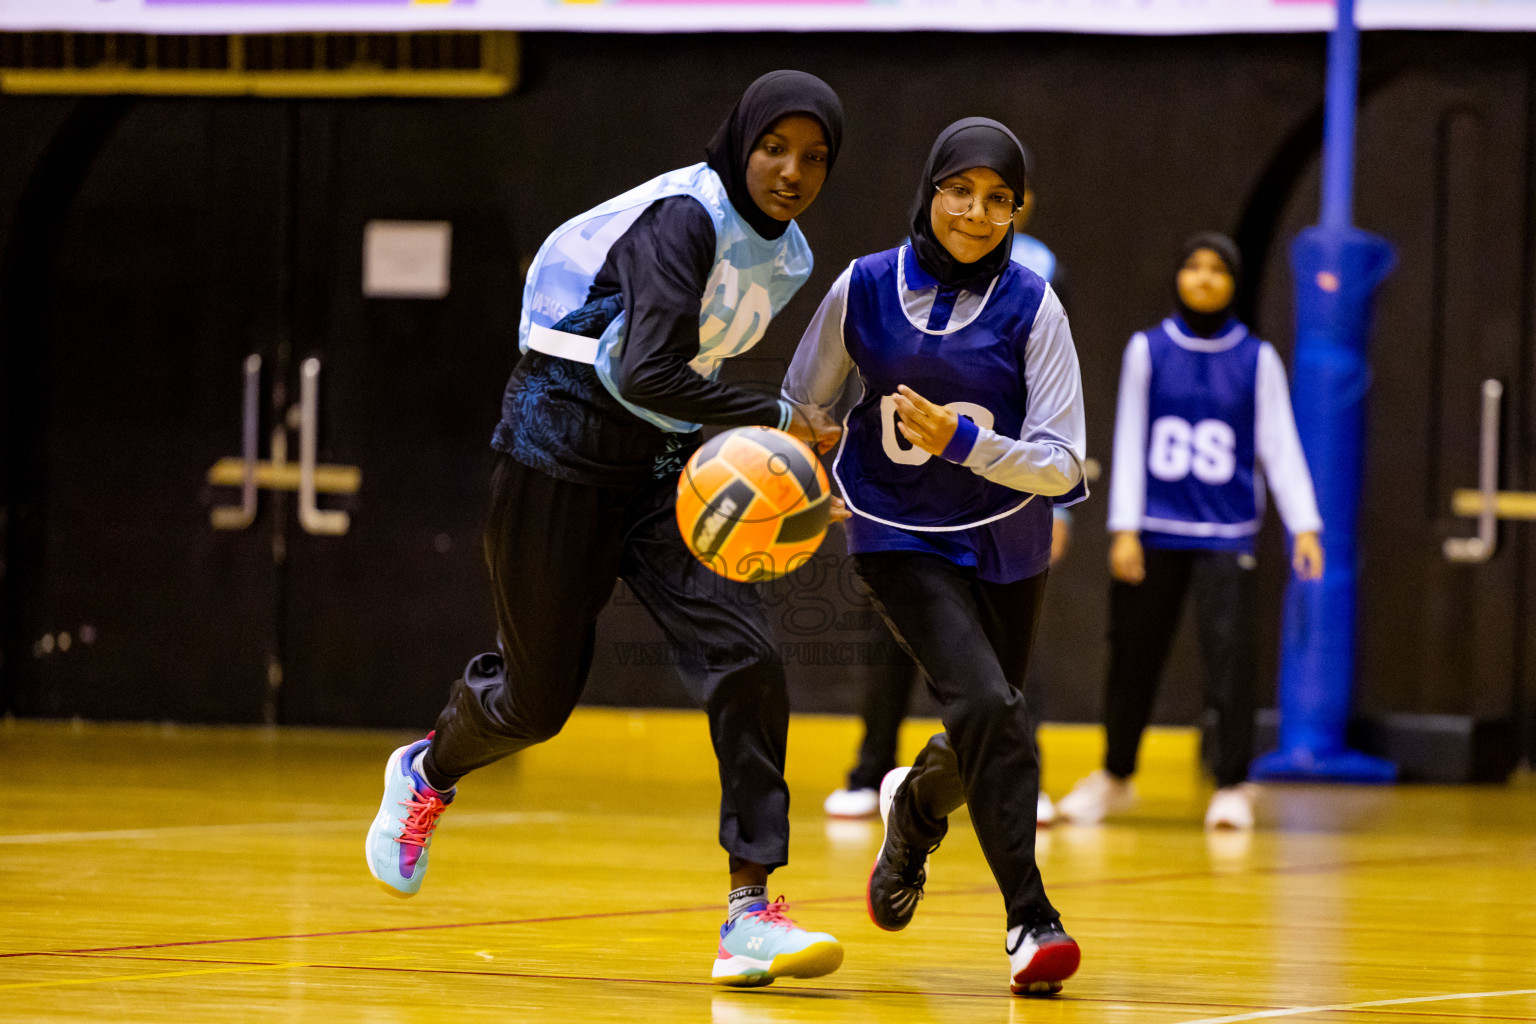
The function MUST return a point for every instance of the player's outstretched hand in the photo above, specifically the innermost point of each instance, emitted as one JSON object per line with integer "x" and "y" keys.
{"x": 1307, "y": 556}
{"x": 815, "y": 426}
{"x": 928, "y": 426}
{"x": 840, "y": 510}
{"x": 1126, "y": 561}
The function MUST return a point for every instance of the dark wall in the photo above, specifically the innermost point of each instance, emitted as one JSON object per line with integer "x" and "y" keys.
{"x": 203, "y": 230}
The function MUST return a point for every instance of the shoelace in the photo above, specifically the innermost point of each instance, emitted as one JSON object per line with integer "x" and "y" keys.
{"x": 416, "y": 828}
{"x": 775, "y": 915}
{"x": 914, "y": 869}
{"x": 1041, "y": 933}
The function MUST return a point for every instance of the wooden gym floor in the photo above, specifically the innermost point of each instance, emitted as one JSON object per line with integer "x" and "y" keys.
{"x": 181, "y": 874}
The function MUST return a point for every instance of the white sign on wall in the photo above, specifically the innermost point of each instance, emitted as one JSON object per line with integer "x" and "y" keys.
{"x": 1126, "y": 17}
{"x": 406, "y": 259}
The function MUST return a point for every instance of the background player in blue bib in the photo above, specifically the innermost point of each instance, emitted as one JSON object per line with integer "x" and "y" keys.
{"x": 969, "y": 423}
{"x": 629, "y": 310}
{"x": 1204, "y": 408}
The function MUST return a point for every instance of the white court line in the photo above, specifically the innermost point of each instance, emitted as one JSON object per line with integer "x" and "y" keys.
{"x": 1298, "y": 1010}
{"x": 338, "y": 824}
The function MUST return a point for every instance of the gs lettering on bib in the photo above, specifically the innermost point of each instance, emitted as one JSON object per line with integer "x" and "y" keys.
{"x": 752, "y": 280}
{"x": 1208, "y": 449}
{"x": 1201, "y": 413}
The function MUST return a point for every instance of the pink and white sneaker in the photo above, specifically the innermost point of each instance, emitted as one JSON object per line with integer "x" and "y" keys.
{"x": 401, "y": 833}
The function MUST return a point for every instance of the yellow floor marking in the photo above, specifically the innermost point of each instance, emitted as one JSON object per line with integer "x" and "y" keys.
{"x": 128, "y": 834}
{"x": 242, "y": 969}
{"x": 1296, "y": 1011}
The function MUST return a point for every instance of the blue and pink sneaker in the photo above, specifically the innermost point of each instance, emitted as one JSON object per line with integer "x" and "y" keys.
{"x": 400, "y": 836}
{"x": 764, "y": 944}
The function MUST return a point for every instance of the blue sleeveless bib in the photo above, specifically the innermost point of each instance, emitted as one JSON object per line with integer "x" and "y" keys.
{"x": 975, "y": 368}
{"x": 1201, "y": 484}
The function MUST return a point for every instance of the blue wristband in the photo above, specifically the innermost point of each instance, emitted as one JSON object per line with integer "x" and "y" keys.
{"x": 960, "y": 445}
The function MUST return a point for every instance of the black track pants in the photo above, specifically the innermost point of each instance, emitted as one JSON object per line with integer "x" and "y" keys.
{"x": 971, "y": 642}
{"x": 887, "y": 697}
{"x": 1143, "y": 620}
{"x": 555, "y": 550}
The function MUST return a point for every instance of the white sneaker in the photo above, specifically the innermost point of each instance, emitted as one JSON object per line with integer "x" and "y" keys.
{"x": 1232, "y": 807}
{"x": 1095, "y": 796}
{"x": 1045, "y": 812}
{"x": 852, "y": 803}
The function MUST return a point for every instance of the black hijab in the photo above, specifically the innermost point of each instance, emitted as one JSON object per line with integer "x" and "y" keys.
{"x": 1208, "y": 325}
{"x": 969, "y": 142}
{"x": 777, "y": 94}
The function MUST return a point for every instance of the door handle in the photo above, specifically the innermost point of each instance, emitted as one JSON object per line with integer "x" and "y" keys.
{"x": 239, "y": 517}
{"x": 1481, "y": 547}
{"x": 332, "y": 522}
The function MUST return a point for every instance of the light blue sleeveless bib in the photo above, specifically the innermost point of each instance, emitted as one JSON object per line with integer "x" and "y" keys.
{"x": 752, "y": 280}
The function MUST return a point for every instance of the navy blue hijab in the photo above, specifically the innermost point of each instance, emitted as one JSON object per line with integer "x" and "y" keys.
{"x": 969, "y": 142}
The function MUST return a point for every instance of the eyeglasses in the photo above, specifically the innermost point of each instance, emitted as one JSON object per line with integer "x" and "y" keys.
{"x": 958, "y": 200}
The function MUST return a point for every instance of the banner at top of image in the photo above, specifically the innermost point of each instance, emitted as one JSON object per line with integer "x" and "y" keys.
{"x": 1128, "y": 17}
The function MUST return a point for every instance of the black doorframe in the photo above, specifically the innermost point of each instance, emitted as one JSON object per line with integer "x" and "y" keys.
{"x": 26, "y": 288}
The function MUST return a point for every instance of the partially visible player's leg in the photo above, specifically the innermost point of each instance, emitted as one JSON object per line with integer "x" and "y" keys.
{"x": 1223, "y": 586}
{"x": 730, "y": 666}
{"x": 552, "y": 549}
{"x": 887, "y": 695}
{"x": 1143, "y": 619}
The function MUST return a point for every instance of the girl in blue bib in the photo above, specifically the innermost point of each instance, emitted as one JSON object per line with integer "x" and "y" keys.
{"x": 969, "y": 426}
{"x": 1204, "y": 419}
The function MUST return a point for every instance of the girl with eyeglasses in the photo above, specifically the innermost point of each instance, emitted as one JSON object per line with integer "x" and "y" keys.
{"x": 969, "y": 428}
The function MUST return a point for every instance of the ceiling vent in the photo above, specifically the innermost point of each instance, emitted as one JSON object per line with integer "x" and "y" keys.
{"x": 472, "y": 64}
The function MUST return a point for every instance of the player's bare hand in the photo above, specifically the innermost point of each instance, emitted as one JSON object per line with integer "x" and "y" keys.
{"x": 1061, "y": 538}
{"x": 928, "y": 426}
{"x": 840, "y": 510}
{"x": 1127, "y": 562}
{"x": 1307, "y": 556}
{"x": 815, "y": 426}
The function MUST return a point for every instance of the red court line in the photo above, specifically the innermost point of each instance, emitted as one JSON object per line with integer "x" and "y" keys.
{"x": 1102, "y": 919}
{"x": 527, "y": 975}
{"x": 1181, "y": 1005}
{"x": 1453, "y": 1016}
{"x": 375, "y": 931}
{"x": 1278, "y": 869}
{"x": 1300, "y": 869}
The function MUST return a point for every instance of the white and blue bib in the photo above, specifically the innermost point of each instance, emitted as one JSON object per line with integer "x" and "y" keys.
{"x": 752, "y": 280}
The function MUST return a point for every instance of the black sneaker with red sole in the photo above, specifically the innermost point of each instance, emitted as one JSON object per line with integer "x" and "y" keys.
{"x": 1040, "y": 959}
